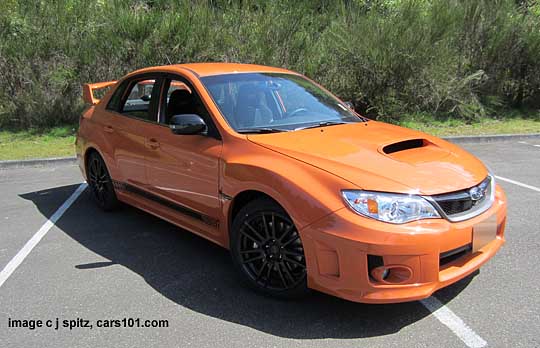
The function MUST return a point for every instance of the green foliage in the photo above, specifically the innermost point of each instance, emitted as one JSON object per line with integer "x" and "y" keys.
{"x": 448, "y": 58}
{"x": 33, "y": 143}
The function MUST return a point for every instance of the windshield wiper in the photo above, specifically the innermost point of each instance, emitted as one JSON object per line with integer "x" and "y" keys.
{"x": 322, "y": 124}
{"x": 260, "y": 130}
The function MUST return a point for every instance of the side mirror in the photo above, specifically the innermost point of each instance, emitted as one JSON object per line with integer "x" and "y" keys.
{"x": 146, "y": 97}
{"x": 187, "y": 124}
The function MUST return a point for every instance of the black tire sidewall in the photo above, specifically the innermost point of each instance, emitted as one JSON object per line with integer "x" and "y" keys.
{"x": 111, "y": 201}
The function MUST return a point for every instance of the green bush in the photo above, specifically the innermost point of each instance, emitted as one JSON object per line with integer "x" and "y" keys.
{"x": 447, "y": 58}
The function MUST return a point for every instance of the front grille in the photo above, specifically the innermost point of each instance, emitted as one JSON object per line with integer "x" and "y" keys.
{"x": 451, "y": 207}
{"x": 461, "y": 203}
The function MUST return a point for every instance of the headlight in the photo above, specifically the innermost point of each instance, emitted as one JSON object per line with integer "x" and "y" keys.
{"x": 395, "y": 208}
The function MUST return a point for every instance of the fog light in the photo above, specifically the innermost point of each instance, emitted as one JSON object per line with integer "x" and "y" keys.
{"x": 392, "y": 274}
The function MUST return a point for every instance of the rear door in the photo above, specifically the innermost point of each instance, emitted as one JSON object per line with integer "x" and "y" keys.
{"x": 184, "y": 169}
{"x": 131, "y": 111}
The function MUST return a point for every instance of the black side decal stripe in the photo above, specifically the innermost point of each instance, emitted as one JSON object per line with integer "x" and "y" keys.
{"x": 122, "y": 186}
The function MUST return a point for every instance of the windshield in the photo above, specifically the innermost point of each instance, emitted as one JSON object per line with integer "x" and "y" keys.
{"x": 275, "y": 102}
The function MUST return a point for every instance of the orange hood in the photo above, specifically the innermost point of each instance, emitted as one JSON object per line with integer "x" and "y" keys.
{"x": 360, "y": 153}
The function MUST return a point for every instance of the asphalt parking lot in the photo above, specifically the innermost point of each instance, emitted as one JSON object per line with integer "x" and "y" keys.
{"x": 129, "y": 264}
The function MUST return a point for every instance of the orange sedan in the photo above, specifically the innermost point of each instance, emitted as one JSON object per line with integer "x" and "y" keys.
{"x": 305, "y": 193}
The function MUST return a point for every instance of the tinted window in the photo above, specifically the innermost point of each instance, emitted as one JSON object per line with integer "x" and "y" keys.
{"x": 137, "y": 103}
{"x": 183, "y": 99}
{"x": 180, "y": 100}
{"x": 116, "y": 99}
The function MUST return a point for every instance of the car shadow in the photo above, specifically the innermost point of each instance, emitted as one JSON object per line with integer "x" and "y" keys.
{"x": 196, "y": 274}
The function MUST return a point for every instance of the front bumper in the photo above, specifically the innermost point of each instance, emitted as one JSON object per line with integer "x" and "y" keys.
{"x": 337, "y": 249}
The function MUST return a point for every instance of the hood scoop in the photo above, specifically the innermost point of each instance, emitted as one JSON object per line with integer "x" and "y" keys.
{"x": 404, "y": 145}
{"x": 414, "y": 151}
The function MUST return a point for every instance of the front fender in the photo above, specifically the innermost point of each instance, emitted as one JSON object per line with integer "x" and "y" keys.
{"x": 304, "y": 191}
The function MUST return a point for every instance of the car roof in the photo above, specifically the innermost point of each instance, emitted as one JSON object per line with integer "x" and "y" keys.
{"x": 208, "y": 69}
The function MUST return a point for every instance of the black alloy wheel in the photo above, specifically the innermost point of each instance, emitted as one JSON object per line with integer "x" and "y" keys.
{"x": 100, "y": 183}
{"x": 268, "y": 251}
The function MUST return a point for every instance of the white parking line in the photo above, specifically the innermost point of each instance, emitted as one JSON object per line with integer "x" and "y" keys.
{"x": 453, "y": 322}
{"x": 27, "y": 248}
{"x": 526, "y": 143}
{"x": 518, "y": 183}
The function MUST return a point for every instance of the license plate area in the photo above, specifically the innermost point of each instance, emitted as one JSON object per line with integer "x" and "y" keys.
{"x": 484, "y": 232}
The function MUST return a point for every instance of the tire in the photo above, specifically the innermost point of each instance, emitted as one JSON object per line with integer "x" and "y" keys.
{"x": 267, "y": 251}
{"x": 100, "y": 183}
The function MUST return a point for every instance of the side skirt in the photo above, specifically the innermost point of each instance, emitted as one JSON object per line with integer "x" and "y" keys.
{"x": 167, "y": 203}
{"x": 142, "y": 204}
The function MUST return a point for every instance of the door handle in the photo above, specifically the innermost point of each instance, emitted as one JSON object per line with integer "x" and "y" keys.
{"x": 152, "y": 143}
{"x": 108, "y": 129}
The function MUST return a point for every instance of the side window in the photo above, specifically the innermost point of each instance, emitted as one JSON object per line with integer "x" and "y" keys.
{"x": 116, "y": 99}
{"x": 137, "y": 104}
{"x": 182, "y": 99}
{"x": 178, "y": 100}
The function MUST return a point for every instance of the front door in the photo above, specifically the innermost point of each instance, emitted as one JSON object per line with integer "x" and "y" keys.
{"x": 184, "y": 169}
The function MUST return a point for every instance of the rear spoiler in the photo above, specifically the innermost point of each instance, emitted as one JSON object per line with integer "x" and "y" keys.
{"x": 89, "y": 88}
